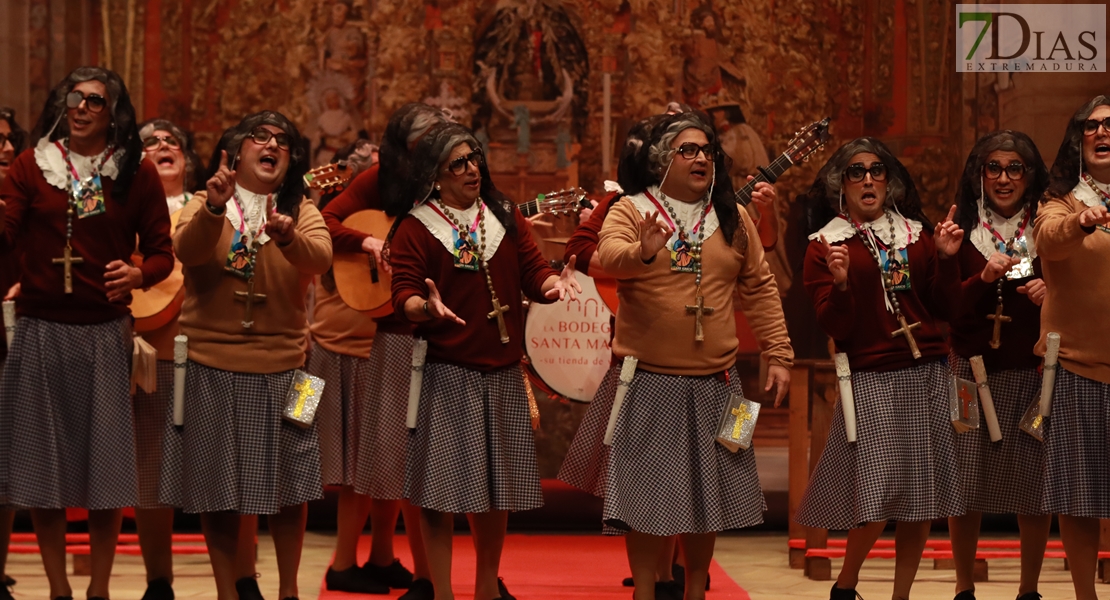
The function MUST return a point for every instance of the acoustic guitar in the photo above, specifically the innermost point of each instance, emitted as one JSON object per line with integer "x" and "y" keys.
{"x": 805, "y": 143}
{"x": 157, "y": 306}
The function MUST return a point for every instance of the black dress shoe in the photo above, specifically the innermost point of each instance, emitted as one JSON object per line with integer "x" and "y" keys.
{"x": 158, "y": 589}
{"x": 354, "y": 580}
{"x": 247, "y": 588}
{"x": 839, "y": 594}
{"x": 965, "y": 595}
{"x": 1030, "y": 596}
{"x": 6, "y": 584}
{"x": 421, "y": 589}
{"x": 395, "y": 575}
{"x": 501, "y": 589}
{"x": 668, "y": 590}
{"x": 628, "y": 582}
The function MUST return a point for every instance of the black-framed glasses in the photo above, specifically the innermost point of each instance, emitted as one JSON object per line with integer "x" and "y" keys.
{"x": 855, "y": 173}
{"x": 993, "y": 170}
{"x": 262, "y": 136}
{"x": 458, "y": 165}
{"x": 13, "y": 138}
{"x": 690, "y": 151}
{"x": 94, "y": 103}
{"x": 1091, "y": 126}
{"x": 153, "y": 141}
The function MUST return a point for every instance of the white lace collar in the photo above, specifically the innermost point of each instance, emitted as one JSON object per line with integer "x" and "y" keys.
{"x": 254, "y": 205}
{"x": 176, "y": 203}
{"x": 689, "y": 213}
{"x": 906, "y": 231}
{"x": 429, "y": 213}
{"x": 1085, "y": 194}
{"x": 50, "y": 161}
{"x": 985, "y": 242}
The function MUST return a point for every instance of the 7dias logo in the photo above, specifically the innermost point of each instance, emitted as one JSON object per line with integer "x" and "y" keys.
{"x": 1034, "y": 38}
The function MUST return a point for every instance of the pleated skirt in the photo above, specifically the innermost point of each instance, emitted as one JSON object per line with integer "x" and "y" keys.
{"x": 383, "y": 437}
{"x": 339, "y": 414}
{"x": 1077, "y": 439}
{"x": 150, "y": 429}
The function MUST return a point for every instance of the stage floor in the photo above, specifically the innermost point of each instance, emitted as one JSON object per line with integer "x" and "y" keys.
{"x": 757, "y": 562}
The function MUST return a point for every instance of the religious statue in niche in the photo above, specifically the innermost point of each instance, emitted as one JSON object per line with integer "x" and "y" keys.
{"x": 529, "y": 55}
{"x": 705, "y": 70}
{"x": 331, "y": 98}
{"x": 338, "y": 90}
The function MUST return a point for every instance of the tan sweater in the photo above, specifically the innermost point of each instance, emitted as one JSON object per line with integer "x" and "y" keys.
{"x": 339, "y": 328}
{"x": 652, "y": 323}
{"x": 1076, "y": 268}
{"x": 212, "y": 317}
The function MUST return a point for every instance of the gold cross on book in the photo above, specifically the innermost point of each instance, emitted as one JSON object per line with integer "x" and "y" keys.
{"x": 249, "y": 297}
{"x": 304, "y": 390}
{"x": 498, "y": 313}
{"x": 907, "y": 331}
{"x": 698, "y": 309}
{"x": 999, "y": 319}
{"x": 743, "y": 415}
{"x": 67, "y": 261}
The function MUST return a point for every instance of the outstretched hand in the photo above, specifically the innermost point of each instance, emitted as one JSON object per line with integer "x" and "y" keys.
{"x": 221, "y": 186}
{"x": 836, "y": 257}
{"x": 654, "y": 234}
{"x": 948, "y": 236}
{"x": 436, "y": 308}
{"x": 567, "y": 283}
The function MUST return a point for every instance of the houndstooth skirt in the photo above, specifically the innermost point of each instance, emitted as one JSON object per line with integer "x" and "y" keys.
{"x": 1004, "y": 477}
{"x": 383, "y": 437}
{"x": 667, "y": 474}
{"x": 587, "y": 461}
{"x": 66, "y": 429}
{"x": 473, "y": 449}
{"x": 235, "y": 453}
{"x": 1077, "y": 435}
{"x": 338, "y": 416}
{"x": 902, "y": 466}
{"x": 150, "y": 429}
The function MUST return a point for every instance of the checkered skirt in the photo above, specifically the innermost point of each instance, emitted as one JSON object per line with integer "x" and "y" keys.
{"x": 347, "y": 388}
{"x": 1077, "y": 435}
{"x": 903, "y": 463}
{"x": 667, "y": 474}
{"x": 66, "y": 430}
{"x": 383, "y": 437}
{"x": 473, "y": 449}
{"x": 235, "y": 453}
{"x": 1005, "y": 477}
{"x": 150, "y": 428}
{"x": 587, "y": 461}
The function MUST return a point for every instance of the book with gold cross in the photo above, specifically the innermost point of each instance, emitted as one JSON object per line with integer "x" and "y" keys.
{"x": 737, "y": 423}
{"x": 304, "y": 396}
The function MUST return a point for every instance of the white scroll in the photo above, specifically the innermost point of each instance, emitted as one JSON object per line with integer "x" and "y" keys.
{"x": 180, "y": 359}
{"x": 9, "y": 321}
{"x": 1051, "y": 354}
{"x": 416, "y": 379}
{"x": 628, "y": 369}
{"x": 847, "y": 400}
{"x": 985, "y": 399}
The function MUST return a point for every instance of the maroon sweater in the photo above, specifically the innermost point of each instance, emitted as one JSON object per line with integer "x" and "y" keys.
{"x": 361, "y": 194}
{"x": 971, "y": 332}
{"x": 36, "y": 220}
{"x": 516, "y": 267}
{"x": 583, "y": 242}
{"x": 857, "y": 318}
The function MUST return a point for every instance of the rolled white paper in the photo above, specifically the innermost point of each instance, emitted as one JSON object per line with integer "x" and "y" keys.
{"x": 985, "y": 399}
{"x": 416, "y": 380}
{"x": 1051, "y": 353}
{"x": 847, "y": 400}
{"x": 628, "y": 369}
{"x": 9, "y": 321}
{"x": 180, "y": 357}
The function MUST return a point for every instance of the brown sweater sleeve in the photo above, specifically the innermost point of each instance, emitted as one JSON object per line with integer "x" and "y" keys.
{"x": 619, "y": 242}
{"x": 759, "y": 298}
{"x": 1056, "y": 231}
{"x": 198, "y": 231}
{"x": 310, "y": 250}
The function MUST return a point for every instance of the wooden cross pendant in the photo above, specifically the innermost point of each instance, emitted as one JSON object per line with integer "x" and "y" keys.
{"x": 67, "y": 261}
{"x": 698, "y": 309}
{"x": 743, "y": 415}
{"x": 907, "y": 331}
{"x": 249, "y": 297}
{"x": 999, "y": 319}
{"x": 498, "y": 313}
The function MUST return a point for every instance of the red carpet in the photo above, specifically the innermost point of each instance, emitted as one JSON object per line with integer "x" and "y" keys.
{"x": 548, "y": 567}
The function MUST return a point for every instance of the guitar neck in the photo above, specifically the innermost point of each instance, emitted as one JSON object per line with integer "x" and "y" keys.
{"x": 530, "y": 208}
{"x": 770, "y": 174}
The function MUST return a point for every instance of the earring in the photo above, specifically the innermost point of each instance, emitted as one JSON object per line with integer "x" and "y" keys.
{"x": 437, "y": 187}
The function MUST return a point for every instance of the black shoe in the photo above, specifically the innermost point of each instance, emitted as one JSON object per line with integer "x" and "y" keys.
{"x": 839, "y": 594}
{"x": 6, "y": 584}
{"x": 395, "y": 575}
{"x": 668, "y": 590}
{"x": 63, "y": 597}
{"x": 247, "y": 588}
{"x": 965, "y": 595}
{"x": 1030, "y": 596}
{"x": 421, "y": 589}
{"x": 354, "y": 580}
{"x": 158, "y": 589}
{"x": 501, "y": 589}
{"x": 627, "y": 582}
{"x": 679, "y": 574}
